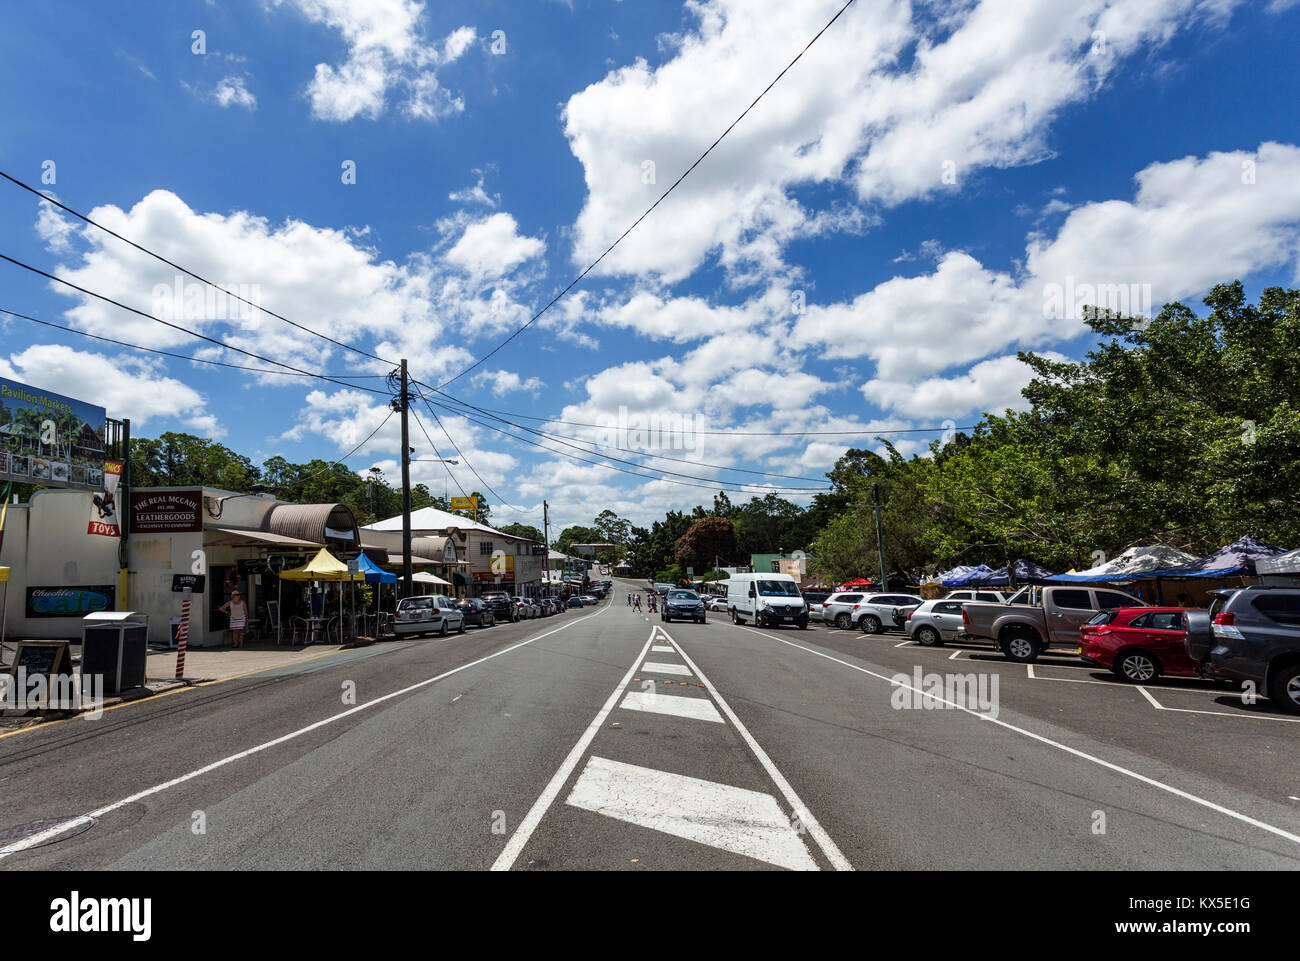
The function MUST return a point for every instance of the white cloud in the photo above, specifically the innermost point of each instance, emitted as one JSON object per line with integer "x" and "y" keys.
{"x": 386, "y": 50}
{"x": 492, "y": 247}
{"x": 504, "y": 382}
{"x": 981, "y": 90}
{"x": 124, "y": 386}
{"x": 233, "y": 92}
{"x": 990, "y": 386}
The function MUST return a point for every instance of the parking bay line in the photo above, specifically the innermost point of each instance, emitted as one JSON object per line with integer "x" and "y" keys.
{"x": 1109, "y": 765}
{"x": 166, "y": 785}
{"x": 1187, "y": 710}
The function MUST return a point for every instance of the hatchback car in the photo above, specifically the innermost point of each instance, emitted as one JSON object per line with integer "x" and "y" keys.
{"x": 1138, "y": 644}
{"x": 814, "y": 600}
{"x": 575, "y": 602}
{"x": 876, "y": 612}
{"x": 934, "y": 622}
{"x": 429, "y": 614}
{"x": 718, "y": 602}
{"x": 838, "y": 608}
{"x": 475, "y": 611}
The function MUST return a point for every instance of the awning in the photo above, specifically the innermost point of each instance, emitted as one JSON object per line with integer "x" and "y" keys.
{"x": 313, "y": 522}
{"x": 426, "y": 578}
{"x": 264, "y": 537}
{"x": 323, "y": 567}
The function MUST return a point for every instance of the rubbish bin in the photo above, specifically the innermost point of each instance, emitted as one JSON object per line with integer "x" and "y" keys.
{"x": 115, "y": 645}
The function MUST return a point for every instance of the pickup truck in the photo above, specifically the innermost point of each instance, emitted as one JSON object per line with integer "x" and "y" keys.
{"x": 1035, "y": 618}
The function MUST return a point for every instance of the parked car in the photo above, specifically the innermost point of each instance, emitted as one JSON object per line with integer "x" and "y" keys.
{"x": 718, "y": 602}
{"x": 429, "y": 614}
{"x": 589, "y": 599}
{"x": 770, "y": 599}
{"x": 1034, "y": 618}
{"x": 575, "y": 602}
{"x": 934, "y": 622}
{"x": 476, "y": 611}
{"x": 1139, "y": 644}
{"x": 1255, "y": 636}
{"x": 814, "y": 601}
{"x": 502, "y": 605}
{"x": 528, "y": 607}
{"x": 681, "y": 603}
{"x": 876, "y": 612}
{"x": 838, "y": 608}
{"x": 980, "y": 594}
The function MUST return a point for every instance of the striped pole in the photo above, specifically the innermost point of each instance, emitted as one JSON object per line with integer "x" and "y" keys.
{"x": 183, "y": 632}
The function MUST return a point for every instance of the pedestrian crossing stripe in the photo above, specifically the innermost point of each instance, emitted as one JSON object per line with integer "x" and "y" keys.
{"x": 674, "y": 705}
{"x": 660, "y": 667}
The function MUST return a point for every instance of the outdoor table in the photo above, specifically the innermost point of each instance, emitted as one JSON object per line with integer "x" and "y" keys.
{"x": 315, "y": 626}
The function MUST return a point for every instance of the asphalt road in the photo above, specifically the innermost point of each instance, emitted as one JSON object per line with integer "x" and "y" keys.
{"x": 603, "y": 739}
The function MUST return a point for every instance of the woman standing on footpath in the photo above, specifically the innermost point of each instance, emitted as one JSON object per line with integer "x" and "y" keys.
{"x": 238, "y": 612}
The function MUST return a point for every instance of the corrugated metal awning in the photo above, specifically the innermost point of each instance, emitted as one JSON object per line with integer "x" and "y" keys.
{"x": 311, "y": 522}
{"x": 264, "y": 537}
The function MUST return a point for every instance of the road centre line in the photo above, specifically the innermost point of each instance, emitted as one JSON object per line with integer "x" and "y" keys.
{"x": 805, "y": 816}
{"x": 515, "y": 845}
{"x": 166, "y": 785}
{"x": 1178, "y": 792}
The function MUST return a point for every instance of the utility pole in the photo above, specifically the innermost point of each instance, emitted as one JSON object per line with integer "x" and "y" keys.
{"x": 880, "y": 534}
{"x": 546, "y": 542}
{"x": 408, "y": 586}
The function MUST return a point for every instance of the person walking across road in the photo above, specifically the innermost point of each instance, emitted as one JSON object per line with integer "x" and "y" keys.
{"x": 636, "y": 602}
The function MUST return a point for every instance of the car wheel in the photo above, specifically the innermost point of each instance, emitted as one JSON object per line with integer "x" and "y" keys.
{"x": 870, "y": 624}
{"x": 443, "y": 631}
{"x": 1021, "y": 648}
{"x": 491, "y": 621}
{"x": 843, "y": 621}
{"x": 928, "y": 637}
{"x": 803, "y": 623}
{"x": 1285, "y": 689}
{"x": 461, "y": 630}
{"x": 1136, "y": 667}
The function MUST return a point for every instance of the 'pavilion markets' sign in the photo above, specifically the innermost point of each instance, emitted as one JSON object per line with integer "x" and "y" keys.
{"x": 69, "y": 601}
{"x": 50, "y": 440}
{"x": 166, "y": 512}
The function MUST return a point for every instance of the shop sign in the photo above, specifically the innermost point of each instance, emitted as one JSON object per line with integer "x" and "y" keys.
{"x": 49, "y": 439}
{"x": 69, "y": 601}
{"x": 166, "y": 512}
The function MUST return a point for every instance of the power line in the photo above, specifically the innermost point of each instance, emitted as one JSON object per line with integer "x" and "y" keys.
{"x": 186, "y": 357}
{"x": 184, "y": 330}
{"x": 445, "y": 465}
{"x": 714, "y": 433}
{"x": 303, "y": 480}
{"x": 716, "y": 486}
{"x": 500, "y": 499}
{"x": 590, "y": 267}
{"x": 630, "y": 450}
{"x": 185, "y": 270}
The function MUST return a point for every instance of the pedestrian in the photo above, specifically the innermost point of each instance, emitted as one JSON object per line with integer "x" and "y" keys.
{"x": 637, "y": 603}
{"x": 629, "y": 600}
{"x": 238, "y": 613}
{"x": 317, "y": 602}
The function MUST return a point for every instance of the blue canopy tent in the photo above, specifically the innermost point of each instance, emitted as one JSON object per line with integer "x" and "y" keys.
{"x": 1237, "y": 558}
{"x": 374, "y": 574}
{"x": 1025, "y": 572}
{"x": 971, "y": 576}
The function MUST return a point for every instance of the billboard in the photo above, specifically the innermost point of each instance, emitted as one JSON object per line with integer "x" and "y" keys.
{"x": 166, "y": 512}
{"x": 49, "y": 439}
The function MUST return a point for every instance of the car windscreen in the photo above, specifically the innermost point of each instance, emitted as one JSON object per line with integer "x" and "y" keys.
{"x": 778, "y": 588}
{"x": 683, "y": 596}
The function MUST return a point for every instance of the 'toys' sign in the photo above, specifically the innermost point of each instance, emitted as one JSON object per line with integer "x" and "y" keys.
{"x": 68, "y": 601}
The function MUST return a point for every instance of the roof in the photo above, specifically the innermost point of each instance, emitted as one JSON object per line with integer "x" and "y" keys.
{"x": 266, "y": 537}
{"x": 310, "y": 522}
{"x": 433, "y": 520}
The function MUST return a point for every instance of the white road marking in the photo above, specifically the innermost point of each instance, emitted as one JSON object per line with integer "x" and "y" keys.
{"x": 662, "y": 649}
{"x": 1187, "y": 710}
{"x": 43, "y": 836}
{"x": 905, "y": 644}
{"x": 515, "y": 846}
{"x": 159, "y": 788}
{"x": 733, "y": 819}
{"x": 1178, "y": 792}
{"x": 800, "y": 809}
{"x": 659, "y": 667}
{"x": 698, "y": 708}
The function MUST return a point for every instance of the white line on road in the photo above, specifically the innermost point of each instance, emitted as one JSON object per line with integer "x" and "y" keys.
{"x": 1187, "y": 710}
{"x": 675, "y": 705}
{"x": 663, "y": 649}
{"x": 659, "y": 667}
{"x": 515, "y": 846}
{"x": 1178, "y": 792}
{"x": 159, "y": 788}
{"x": 735, "y": 819}
{"x": 833, "y": 854}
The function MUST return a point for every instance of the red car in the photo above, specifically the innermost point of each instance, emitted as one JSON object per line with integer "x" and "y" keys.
{"x": 1139, "y": 643}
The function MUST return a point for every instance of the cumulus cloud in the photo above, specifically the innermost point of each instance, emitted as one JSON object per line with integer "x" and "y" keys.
{"x": 387, "y": 51}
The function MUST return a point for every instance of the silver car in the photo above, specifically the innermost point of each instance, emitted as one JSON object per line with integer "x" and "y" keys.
{"x": 838, "y": 609}
{"x": 429, "y": 614}
{"x": 935, "y": 622}
{"x": 875, "y": 612}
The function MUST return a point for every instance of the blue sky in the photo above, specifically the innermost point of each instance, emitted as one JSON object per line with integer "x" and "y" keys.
{"x": 866, "y": 251}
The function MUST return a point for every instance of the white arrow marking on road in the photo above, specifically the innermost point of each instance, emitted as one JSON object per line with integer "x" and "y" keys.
{"x": 659, "y": 667}
{"x": 731, "y": 818}
{"x": 699, "y": 708}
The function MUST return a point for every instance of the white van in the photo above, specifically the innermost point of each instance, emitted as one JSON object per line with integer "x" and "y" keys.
{"x": 768, "y": 599}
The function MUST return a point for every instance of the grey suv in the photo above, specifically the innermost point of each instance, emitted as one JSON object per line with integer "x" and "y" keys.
{"x": 1255, "y": 636}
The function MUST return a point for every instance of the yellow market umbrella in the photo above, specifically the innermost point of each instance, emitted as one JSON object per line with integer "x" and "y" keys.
{"x": 324, "y": 567}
